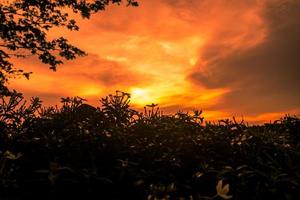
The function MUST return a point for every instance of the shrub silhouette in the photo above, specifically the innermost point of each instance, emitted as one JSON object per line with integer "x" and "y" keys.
{"x": 115, "y": 152}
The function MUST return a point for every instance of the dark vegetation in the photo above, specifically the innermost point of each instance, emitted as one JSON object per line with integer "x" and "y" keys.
{"x": 115, "y": 152}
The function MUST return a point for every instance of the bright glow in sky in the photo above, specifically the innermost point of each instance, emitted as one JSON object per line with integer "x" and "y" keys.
{"x": 225, "y": 57}
{"x": 142, "y": 97}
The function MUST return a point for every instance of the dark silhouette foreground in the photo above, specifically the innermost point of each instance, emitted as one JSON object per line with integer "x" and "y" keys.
{"x": 115, "y": 152}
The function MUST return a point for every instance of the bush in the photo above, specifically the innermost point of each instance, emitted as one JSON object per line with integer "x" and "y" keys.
{"x": 115, "y": 152}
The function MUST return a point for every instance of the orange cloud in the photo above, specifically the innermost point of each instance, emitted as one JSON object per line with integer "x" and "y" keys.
{"x": 166, "y": 52}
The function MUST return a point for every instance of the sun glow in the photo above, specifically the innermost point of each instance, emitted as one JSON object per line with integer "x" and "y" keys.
{"x": 141, "y": 96}
{"x": 147, "y": 59}
{"x": 90, "y": 91}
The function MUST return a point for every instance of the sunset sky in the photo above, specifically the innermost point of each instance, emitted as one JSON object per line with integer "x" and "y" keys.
{"x": 227, "y": 57}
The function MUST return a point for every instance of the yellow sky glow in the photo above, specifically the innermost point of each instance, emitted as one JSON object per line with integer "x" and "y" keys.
{"x": 150, "y": 51}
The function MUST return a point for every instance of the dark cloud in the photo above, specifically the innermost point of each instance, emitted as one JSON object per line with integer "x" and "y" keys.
{"x": 105, "y": 72}
{"x": 264, "y": 78}
{"x": 115, "y": 75}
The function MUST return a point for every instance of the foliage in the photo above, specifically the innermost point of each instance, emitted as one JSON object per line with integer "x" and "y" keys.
{"x": 116, "y": 108}
{"x": 24, "y": 28}
{"x": 114, "y": 152}
{"x": 14, "y": 111}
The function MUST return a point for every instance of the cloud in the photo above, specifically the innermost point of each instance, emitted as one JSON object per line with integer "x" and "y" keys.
{"x": 261, "y": 78}
{"x": 107, "y": 72}
{"x": 87, "y": 76}
{"x": 226, "y": 57}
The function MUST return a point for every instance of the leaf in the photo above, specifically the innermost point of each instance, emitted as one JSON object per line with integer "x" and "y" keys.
{"x": 198, "y": 174}
{"x": 171, "y": 187}
{"x": 222, "y": 191}
{"x": 139, "y": 182}
{"x": 11, "y": 156}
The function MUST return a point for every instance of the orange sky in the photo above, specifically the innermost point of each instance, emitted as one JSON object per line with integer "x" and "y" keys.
{"x": 227, "y": 57}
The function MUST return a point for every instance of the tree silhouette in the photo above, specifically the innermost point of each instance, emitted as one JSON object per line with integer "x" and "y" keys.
{"x": 24, "y": 25}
